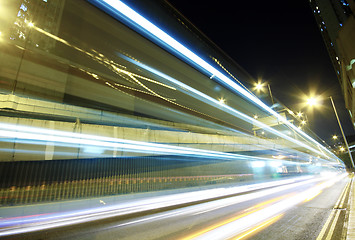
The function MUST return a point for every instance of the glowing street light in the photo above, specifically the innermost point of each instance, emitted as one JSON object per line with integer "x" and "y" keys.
{"x": 222, "y": 101}
{"x": 259, "y": 86}
{"x": 312, "y": 101}
{"x": 299, "y": 114}
{"x": 335, "y": 137}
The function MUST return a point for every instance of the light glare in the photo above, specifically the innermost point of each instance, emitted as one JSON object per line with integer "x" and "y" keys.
{"x": 311, "y": 101}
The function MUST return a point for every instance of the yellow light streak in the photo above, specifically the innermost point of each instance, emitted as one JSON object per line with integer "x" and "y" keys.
{"x": 218, "y": 225}
{"x": 260, "y": 227}
{"x": 248, "y": 211}
{"x": 313, "y": 196}
{"x": 261, "y": 205}
{"x": 102, "y": 59}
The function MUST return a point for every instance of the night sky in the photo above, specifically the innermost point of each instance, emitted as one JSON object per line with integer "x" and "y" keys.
{"x": 278, "y": 41}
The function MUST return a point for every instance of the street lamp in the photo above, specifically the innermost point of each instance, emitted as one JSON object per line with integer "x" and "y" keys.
{"x": 259, "y": 86}
{"x": 313, "y": 101}
{"x": 221, "y": 101}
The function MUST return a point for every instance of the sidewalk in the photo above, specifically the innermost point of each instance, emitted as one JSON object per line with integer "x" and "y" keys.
{"x": 351, "y": 207}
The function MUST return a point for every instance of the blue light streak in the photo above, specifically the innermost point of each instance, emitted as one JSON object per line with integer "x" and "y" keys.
{"x": 207, "y": 99}
{"x": 45, "y": 136}
{"x": 118, "y": 9}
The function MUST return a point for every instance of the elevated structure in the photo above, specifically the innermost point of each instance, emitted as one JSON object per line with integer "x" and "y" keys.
{"x": 109, "y": 102}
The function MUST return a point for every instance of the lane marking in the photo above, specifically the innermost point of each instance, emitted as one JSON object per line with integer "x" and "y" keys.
{"x": 347, "y": 229}
{"x": 325, "y": 227}
{"x": 346, "y": 193}
{"x": 332, "y": 227}
{"x": 339, "y": 207}
{"x": 335, "y": 212}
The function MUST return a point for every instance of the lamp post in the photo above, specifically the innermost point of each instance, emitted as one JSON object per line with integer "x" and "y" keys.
{"x": 259, "y": 86}
{"x": 272, "y": 98}
{"x": 312, "y": 101}
{"x": 342, "y": 132}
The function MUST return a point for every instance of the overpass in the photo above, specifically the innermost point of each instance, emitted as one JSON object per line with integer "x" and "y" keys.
{"x": 106, "y": 103}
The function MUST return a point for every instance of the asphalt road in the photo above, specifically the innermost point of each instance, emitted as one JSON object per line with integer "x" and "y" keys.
{"x": 305, "y": 221}
{"x": 293, "y": 211}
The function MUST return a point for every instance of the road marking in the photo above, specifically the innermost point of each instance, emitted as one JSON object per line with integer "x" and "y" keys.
{"x": 336, "y": 211}
{"x": 325, "y": 227}
{"x": 350, "y": 217}
{"x": 331, "y": 230}
{"x": 346, "y": 193}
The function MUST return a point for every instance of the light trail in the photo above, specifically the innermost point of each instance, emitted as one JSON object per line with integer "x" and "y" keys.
{"x": 245, "y": 213}
{"x": 260, "y": 227}
{"x": 25, "y": 224}
{"x": 229, "y": 229}
{"x": 168, "y": 40}
{"x": 118, "y": 9}
{"x": 43, "y": 136}
{"x": 216, "y": 103}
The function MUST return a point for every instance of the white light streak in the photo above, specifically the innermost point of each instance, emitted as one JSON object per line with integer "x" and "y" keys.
{"x": 207, "y": 99}
{"x": 234, "y": 228}
{"x": 44, "y": 136}
{"x": 121, "y": 9}
{"x": 10, "y": 226}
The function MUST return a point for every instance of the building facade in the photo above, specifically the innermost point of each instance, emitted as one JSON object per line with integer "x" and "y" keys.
{"x": 335, "y": 19}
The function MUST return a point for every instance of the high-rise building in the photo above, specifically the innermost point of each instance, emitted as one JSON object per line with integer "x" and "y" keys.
{"x": 336, "y": 22}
